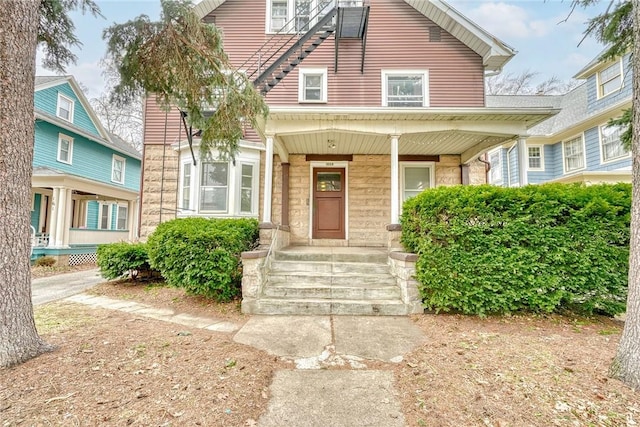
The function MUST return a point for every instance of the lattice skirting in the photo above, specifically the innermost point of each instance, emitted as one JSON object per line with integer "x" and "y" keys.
{"x": 78, "y": 259}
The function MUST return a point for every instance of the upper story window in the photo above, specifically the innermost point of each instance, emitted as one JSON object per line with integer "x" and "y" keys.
{"x": 405, "y": 88}
{"x": 610, "y": 79}
{"x": 495, "y": 161}
{"x": 573, "y": 153}
{"x": 416, "y": 177}
{"x": 117, "y": 169}
{"x": 612, "y": 147}
{"x": 295, "y": 15}
{"x": 65, "y": 149}
{"x": 65, "y": 108}
{"x": 536, "y": 157}
{"x": 312, "y": 85}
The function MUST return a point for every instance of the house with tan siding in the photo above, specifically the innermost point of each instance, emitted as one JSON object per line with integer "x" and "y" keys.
{"x": 371, "y": 102}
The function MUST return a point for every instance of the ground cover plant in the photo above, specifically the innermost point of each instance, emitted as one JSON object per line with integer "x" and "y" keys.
{"x": 487, "y": 249}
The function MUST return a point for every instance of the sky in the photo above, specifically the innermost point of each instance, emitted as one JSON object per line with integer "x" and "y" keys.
{"x": 545, "y": 33}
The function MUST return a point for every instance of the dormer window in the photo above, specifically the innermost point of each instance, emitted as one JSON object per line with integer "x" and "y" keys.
{"x": 65, "y": 108}
{"x": 610, "y": 79}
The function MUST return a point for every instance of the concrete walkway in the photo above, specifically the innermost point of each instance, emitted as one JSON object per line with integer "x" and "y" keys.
{"x": 47, "y": 289}
{"x": 310, "y": 395}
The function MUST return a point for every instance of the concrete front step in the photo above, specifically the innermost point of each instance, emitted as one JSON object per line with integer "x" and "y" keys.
{"x": 328, "y": 267}
{"x": 300, "y": 290}
{"x": 317, "y": 307}
{"x": 331, "y": 279}
{"x": 332, "y": 254}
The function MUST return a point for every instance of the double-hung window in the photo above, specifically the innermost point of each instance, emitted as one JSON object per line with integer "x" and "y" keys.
{"x": 405, "y": 88}
{"x": 186, "y": 186}
{"x": 247, "y": 198}
{"x": 610, "y": 79}
{"x": 536, "y": 157}
{"x": 295, "y": 15}
{"x": 312, "y": 85}
{"x": 65, "y": 108}
{"x": 495, "y": 162}
{"x": 104, "y": 216}
{"x": 612, "y": 147}
{"x": 573, "y": 152}
{"x": 214, "y": 186}
{"x": 117, "y": 169}
{"x": 416, "y": 177}
{"x": 121, "y": 217}
{"x": 65, "y": 149}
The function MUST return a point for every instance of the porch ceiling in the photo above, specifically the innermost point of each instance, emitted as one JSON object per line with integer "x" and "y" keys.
{"x": 336, "y": 142}
{"x": 464, "y": 131}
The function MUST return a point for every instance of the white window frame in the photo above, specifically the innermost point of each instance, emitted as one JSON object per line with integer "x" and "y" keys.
{"x": 322, "y": 72}
{"x": 425, "y": 85}
{"x": 101, "y": 209}
{"x": 227, "y": 187}
{"x": 118, "y": 217}
{"x": 498, "y": 166}
{"x": 564, "y": 154}
{"x": 431, "y": 166}
{"x": 541, "y": 157}
{"x": 116, "y": 159}
{"x": 249, "y": 157}
{"x": 601, "y": 83}
{"x": 187, "y": 190}
{"x": 62, "y": 137}
{"x": 291, "y": 12}
{"x": 61, "y": 97}
{"x": 626, "y": 154}
{"x": 255, "y": 188}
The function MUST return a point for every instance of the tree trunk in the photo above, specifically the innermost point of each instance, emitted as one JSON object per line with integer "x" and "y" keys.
{"x": 626, "y": 365}
{"x": 19, "y": 339}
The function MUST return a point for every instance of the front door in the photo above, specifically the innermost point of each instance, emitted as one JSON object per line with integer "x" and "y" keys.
{"x": 328, "y": 203}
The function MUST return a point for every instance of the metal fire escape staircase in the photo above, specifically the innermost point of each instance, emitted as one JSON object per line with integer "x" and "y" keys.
{"x": 286, "y": 49}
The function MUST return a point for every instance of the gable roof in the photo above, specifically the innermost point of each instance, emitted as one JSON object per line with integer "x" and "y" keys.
{"x": 46, "y": 82}
{"x": 106, "y": 139}
{"x": 495, "y": 53}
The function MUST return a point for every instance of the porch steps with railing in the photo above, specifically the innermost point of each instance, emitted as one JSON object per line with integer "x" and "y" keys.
{"x": 330, "y": 280}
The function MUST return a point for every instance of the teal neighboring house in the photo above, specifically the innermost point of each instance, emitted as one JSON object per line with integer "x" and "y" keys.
{"x": 86, "y": 182}
{"x": 577, "y": 144}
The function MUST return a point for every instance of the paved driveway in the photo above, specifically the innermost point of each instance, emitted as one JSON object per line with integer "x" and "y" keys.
{"x": 47, "y": 289}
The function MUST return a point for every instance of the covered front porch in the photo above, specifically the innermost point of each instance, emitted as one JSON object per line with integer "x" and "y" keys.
{"x": 71, "y": 215}
{"x": 339, "y": 176}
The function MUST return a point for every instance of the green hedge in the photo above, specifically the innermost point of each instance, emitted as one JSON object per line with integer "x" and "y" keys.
{"x": 202, "y": 255}
{"x": 540, "y": 248}
{"x": 123, "y": 259}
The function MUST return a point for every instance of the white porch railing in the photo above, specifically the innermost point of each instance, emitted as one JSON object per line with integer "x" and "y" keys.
{"x": 39, "y": 240}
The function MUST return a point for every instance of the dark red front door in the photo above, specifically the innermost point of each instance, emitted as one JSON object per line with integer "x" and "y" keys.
{"x": 328, "y": 203}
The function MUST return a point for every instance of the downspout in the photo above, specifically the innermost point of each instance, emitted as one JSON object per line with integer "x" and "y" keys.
{"x": 487, "y": 166}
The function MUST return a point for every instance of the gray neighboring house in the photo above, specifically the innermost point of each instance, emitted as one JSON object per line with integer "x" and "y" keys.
{"x": 576, "y": 145}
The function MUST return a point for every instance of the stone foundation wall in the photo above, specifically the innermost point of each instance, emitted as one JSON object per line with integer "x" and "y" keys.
{"x": 159, "y": 187}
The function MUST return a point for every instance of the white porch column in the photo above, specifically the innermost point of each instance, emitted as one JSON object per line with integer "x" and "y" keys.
{"x": 268, "y": 180}
{"x": 59, "y": 211}
{"x": 395, "y": 199}
{"x": 53, "y": 224}
{"x": 68, "y": 211}
{"x": 132, "y": 213}
{"x": 523, "y": 162}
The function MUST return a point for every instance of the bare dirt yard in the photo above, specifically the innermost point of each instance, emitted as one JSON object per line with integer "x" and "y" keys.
{"x": 116, "y": 369}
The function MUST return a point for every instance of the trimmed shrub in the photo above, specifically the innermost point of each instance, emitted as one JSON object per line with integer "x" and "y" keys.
{"x": 45, "y": 261}
{"x": 202, "y": 255}
{"x": 123, "y": 259}
{"x": 539, "y": 248}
